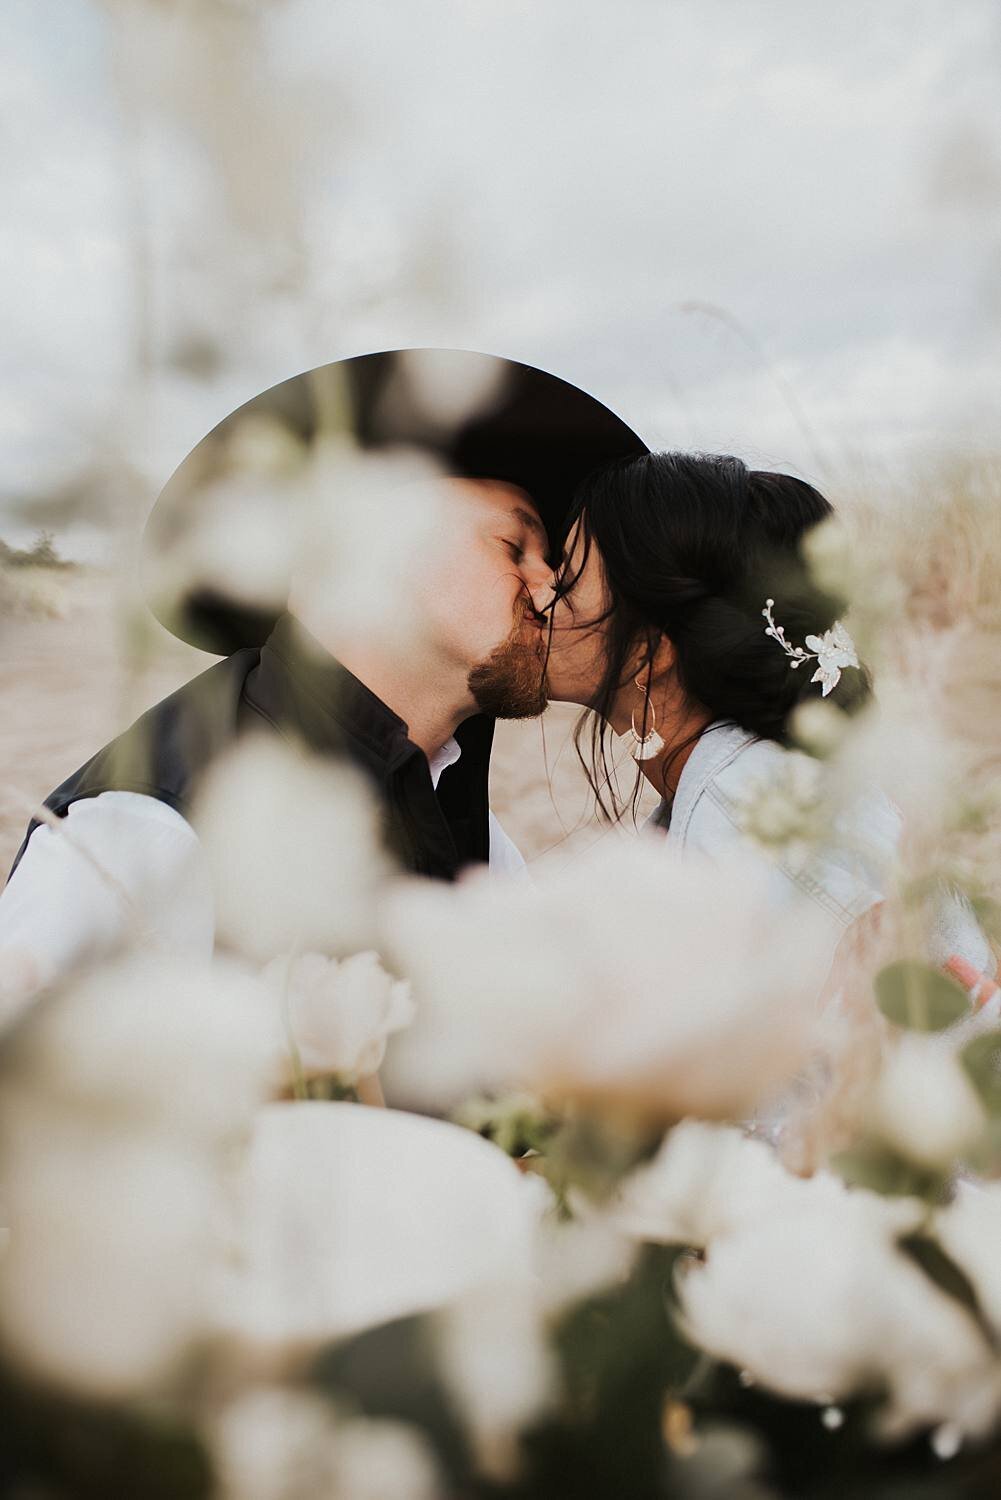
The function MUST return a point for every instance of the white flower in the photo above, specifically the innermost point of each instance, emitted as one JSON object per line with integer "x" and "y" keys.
{"x": 339, "y": 1014}
{"x": 707, "y": 1180}
{"x": 632, "y": 978}
{"x": 242, "y": 524}
{"x": 121, "y": 1099}
{"x": 279, "y": 1443}
{"x": 292, "y": 846}
{"x": 577, "y": 1257}
{"x": 150, "y": 1041}
{"x": 827, "y": 548}
{"x": 379, "y": 1459}
{"x": 970, "y": 1231}
{"x": 102, "y": 1286}
{"x": 899, "y": 746}
{"x": 784, "y": 810}
{"x": 275, "y": 1443}
{"x": 819, "y": 727}
{"x": 925, "y": 1106}
{"x": 492, "y": 1347}
{"x": 821, "y": 1305}
{"x": 451, "y": 388}
{"x": 352, "y": 1216}
{"x": 493, "y": 1342}
{"x": 373, "y": 520}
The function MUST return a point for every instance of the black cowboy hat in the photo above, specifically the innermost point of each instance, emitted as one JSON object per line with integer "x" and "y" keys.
{"x": 477, "y": 415}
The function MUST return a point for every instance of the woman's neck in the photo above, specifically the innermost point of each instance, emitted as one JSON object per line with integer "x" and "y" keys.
{"x": 678, "y": 725}
{"x": 663, "y": 770}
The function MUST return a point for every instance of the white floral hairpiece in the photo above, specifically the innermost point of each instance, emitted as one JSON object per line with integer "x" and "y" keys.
{"x": 831, "y": 651}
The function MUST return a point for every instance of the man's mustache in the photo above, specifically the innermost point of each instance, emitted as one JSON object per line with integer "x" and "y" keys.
{"x": 531, "y": 615}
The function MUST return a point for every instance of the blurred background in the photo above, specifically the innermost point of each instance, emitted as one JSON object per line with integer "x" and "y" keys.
{"x": 769, "y": 228}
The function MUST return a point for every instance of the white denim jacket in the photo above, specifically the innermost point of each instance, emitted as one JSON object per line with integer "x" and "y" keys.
{"x": 846, "y": 877}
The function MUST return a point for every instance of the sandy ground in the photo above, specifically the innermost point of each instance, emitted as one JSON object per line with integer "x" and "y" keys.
{"x": 64, "y": 693}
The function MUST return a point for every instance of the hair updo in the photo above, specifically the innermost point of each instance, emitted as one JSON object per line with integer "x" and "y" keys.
{"x": 692, "y": 547}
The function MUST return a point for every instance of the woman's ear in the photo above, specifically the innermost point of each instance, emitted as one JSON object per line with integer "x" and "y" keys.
{"x": 651, "y": 660}
{"x": 664, "y": 659}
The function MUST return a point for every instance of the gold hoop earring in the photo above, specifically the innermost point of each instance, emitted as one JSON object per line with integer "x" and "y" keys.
{"x": 645, "y": 746}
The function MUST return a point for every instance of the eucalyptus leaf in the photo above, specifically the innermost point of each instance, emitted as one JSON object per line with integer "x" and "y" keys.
{"x": 917, "y": 996}
{"x": 874, "y": 1166}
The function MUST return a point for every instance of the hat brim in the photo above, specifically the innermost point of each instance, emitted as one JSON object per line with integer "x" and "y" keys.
{"x": 519, "y": 424}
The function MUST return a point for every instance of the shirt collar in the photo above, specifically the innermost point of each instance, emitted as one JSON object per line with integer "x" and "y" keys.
{"x": 302, "y": 687}
{"x": 718, "y": 744}
{"x": 443, "y": 758}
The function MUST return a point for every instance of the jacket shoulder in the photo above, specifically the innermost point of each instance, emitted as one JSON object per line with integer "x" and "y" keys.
{"x": 842, "y": 868}
{"x": 164, "y": 752}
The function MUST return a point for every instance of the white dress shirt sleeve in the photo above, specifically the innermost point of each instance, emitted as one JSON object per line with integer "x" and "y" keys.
{"x": 120, "y": 863}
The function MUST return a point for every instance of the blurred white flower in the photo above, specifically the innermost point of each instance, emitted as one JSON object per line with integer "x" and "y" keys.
{"x": 493, "y": 1342}
{"x": 449, "y": 389}
{"x": 339, "y": 1015}
{"x": 122, "y": 1096}
{"x": 353, "y": 1216}
{"x": 707, "y": 1180}
{"x": 292, "y": 846}
{"x": 924, "y": 1105}
{"x": 631, "y": 978}
{"x": 368, "y": 519}
{"x": 785, "y": 811}
{"x": 103, "y": 1284}
{"x": 900, "y": 746}
{"x": 379, "y": 1459}
{"x": 493, "y": 1350}
{"x": 280, "y": 1443}
{"x": 970, "y": 1231}
{"x": 820, "y": 1305}
{"x": 819, "y": 727}
{"x": 242, "y": 544}
{"x": 827, "y": 548}
{"x": 151, "y": 1041}
{"x": 275, "y": 1443}
{"x": 242, "y": 527}
{"x": 488, "y": 976}
{"x": 577, "y": 1257}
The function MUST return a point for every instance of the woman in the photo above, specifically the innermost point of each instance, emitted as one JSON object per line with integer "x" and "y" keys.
{"x": 686, "y": 619}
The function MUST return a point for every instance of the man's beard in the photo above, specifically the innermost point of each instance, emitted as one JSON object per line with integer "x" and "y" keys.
{"x": 511, "y": 683}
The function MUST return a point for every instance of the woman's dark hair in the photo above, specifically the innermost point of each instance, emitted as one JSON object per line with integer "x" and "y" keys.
{"x": 692, "y": 546}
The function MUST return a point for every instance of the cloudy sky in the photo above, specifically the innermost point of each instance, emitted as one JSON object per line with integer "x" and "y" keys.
{"x": 770, "y": 227}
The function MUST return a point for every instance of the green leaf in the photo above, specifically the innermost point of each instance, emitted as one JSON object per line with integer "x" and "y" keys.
{"x": 950, "y": 1278}
{"x": 982, "y": 1061}
{"x": 916, "y": 995}
{"x": 874, "y": 1166}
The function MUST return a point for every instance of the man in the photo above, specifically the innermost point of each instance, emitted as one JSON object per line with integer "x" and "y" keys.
{"x": 416, "y": 718}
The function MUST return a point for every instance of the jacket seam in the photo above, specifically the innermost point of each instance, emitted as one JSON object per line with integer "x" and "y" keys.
{"x": 804, "y": 881}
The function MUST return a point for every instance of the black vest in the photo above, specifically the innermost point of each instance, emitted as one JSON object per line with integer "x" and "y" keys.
{"x": 310, "y": 700}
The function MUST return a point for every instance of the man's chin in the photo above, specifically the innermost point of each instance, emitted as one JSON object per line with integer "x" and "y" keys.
{"x": 511, "y": 683}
